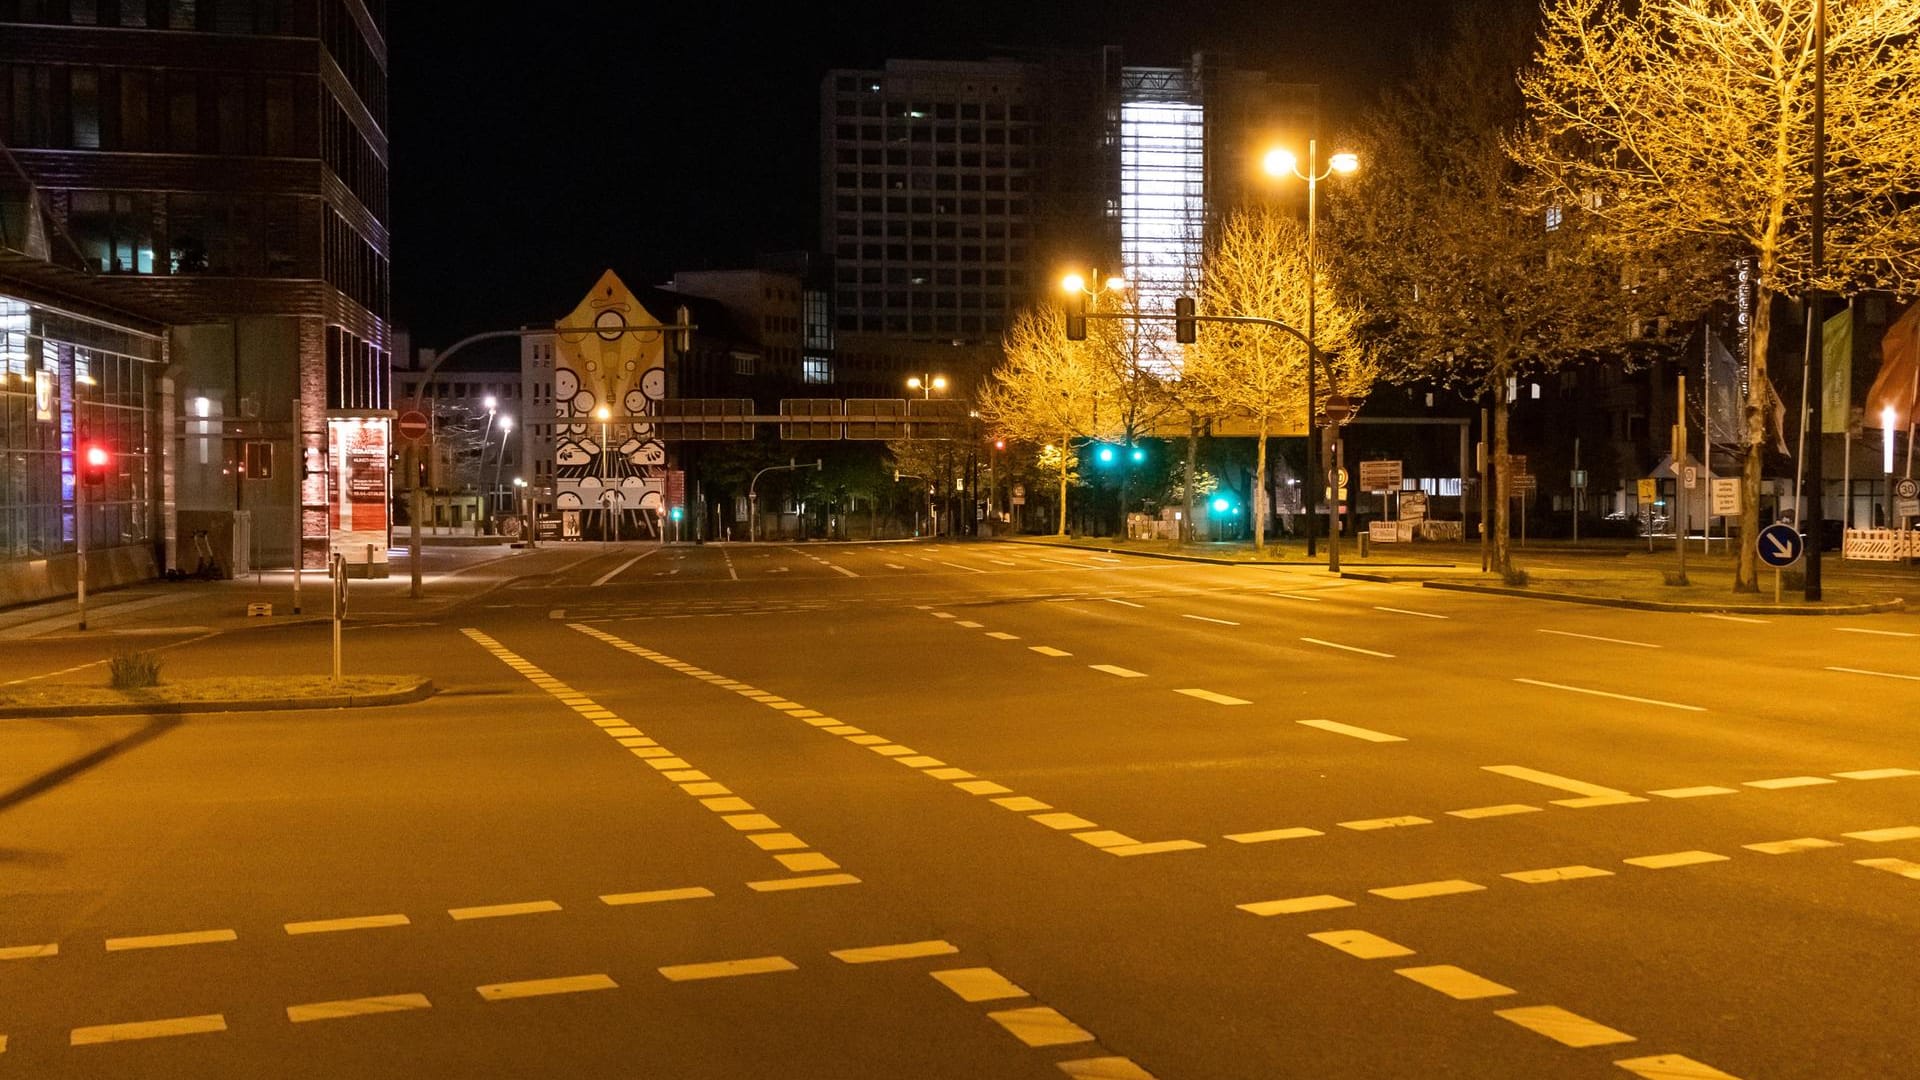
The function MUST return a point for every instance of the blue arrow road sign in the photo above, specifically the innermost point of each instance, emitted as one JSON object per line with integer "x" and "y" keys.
{"x": 1780, "y": 546}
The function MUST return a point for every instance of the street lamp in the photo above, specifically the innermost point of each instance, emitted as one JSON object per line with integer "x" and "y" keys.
{"x": 927, "y": 384}
{"x": 1281, "y": 162}
{"x": 604, "y": 415}
{"x": 506, "y": 425}
{"x": 520, "y": 508}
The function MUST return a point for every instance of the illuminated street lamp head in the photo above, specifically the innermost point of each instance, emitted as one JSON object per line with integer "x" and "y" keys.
{"x": 506, "y": 424}
{"x": 1279, "y": 162}
{"x": 1116, "y": 284}
{"x": 603, "y": 414}
{"x": 488, "y": 402}
{"x": 939, "y": 382}
{"x": 1073, "y": 283}
{"x": 913, "y": 383}
{"x": 1343, "y": 162}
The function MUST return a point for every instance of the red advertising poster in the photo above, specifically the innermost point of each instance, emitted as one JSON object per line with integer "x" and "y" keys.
{"x": 357, "y": 457}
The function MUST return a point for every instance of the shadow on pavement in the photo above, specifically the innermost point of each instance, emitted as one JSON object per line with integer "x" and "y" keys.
{"x": 155, "y": 727}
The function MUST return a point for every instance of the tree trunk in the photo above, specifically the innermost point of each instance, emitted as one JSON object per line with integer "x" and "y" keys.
{"x": 1260, "y": 489}
{"x": 1065, "y": 449}
{"x": 1746, "y": 578}
{"x": 1187, "y": 530}
{"x": 1503, "y": 482}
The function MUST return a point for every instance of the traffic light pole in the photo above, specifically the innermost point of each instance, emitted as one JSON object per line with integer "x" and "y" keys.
{"x": 80, "y": 544}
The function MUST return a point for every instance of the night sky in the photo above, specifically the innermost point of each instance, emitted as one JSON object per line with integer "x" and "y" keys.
{"x": 530, "y": 152}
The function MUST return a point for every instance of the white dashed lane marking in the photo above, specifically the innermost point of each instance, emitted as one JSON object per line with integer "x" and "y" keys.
{"x": 1596, "y": 637}
{"x": 1880, "y": 674}
{"x": 147, "y": 1029}
{"x": 1880, "y": 633}
{"x": 1205, "y": 618}
{"x": 1351, "y": 731}
{"x": 1217, "y": 699}
{"x": 525, "y": 988}
{"x": 1610, "y": 694}
{"x": 1566, "y": 1028}
{"x": 1348, "y": 648}
{"x": 1124, "y": 673}
{"x": 1407, "y": 611}
{"x": 366, "y": 1006}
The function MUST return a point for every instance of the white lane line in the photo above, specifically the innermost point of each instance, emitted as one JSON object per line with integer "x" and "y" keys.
{"x": 1123, "y": 603}
{"x": 1360, "y": 944}
{"x": 29, "y": 952}
{"x": 1556, "y": 873}
{"x": 1882, "y": 836}
{"x": 1693, "y": 792}
{"x": 1348, "y": 648}
{"x": 978, "y": 984}
{"x": 1106, "y": 558}
{"x": 496, "y": 911}
{"x": 1295, "y": 905}
{"x": 1370, "y": 824}
{"x": 163, "y": 941}
{"x": 615, "y": 572}
{"x": 1425, "y": 889}
{"x": 569, "y": 984}
{"x": 1675, "y": 858}
{"x": 1791, "y": 847}
{"x": 906, "y": 951}
{"x": 726, "y": 969}
{"x": 1503, "y": 810}
{"x": 1299, "y": 596}
{"x": 1048, "y": 650}
{"x": 1203, "y": 618}
{"x": 1039, "y": 1025}
{"x": 1405, "y": 611}
{"x": 329, "y": 926}
{"x": 1610, "y": 694}
{"x": 1002, "y": 635}
{"x": 1881, "y": 633}
{"x": 366, "y": 1006}
{"x": 969, "y": 569}
{"x": 1672, "y": 1067}
{"x": 1455, "y": 982}
{"x": 1563, "y": 1027}
{"x": 1004, "y": 562}
{"x": 1124, "y": 673}
{"x": 656, "y": 896}
{"x": 1267, "y": 835}
{"x": 1736, "y": 618}
{"x": 1902, "y": 867}
{"x": 1351, "y": 731}
{"x": 1596, "y": 637}
{"x": 1882, "y": 674}
{"x": 895, "y": 566}
{"x": 147, "y": 1029}
{"x": 1877, "y": 774}
{"x": 1788, "y": 782}
{"x": 840, "y": 569}
{"x": 1217, "y": 699}
{"x": 1590, "y": 794}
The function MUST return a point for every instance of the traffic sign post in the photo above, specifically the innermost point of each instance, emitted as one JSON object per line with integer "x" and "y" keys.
{"x": 1780, "y": 546}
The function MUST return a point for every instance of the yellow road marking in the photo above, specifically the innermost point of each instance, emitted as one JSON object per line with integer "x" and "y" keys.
{"x": 1672, "y": 1067}
{"x": 1155, "y": 848}
{"x": 147, "y": 1029}
{"x": 366, "y": 1006}
{"x": 1591, "y": 794}
{"x": 1295, "y": 905}
{"x": 1877, "y": 774}
{"x": 1021, "y": 804}
{"x": 1788, "y": 847}
{"x": 776, "y": 841}
{"x": 1675, "y": 858}
{"x": 1115, "y": 669}
{"x": 1557, "y": 873}
{"x": 1048, "y": 650}
{"x": 29, "y": 952}
{"x": 496, "y": 911}
{"x": 817, "y": 881}
{"x": 1104, "y": 1068}
{"x": 567, "y": 984}
{"x": 1881, "y": 836}
{"x": 1040, "y": 1026}
{"x": 978, "y": 984}
{"x": 874, "y": 954}
{"x": 806, "y": 862}
{"x": 1428, "y": 888}
{"x": 361, "y": 922}
{"x": 655, "y": 896}
{"x": 1457, "y": 983}
{"x": 1566, "y": 1028}
{"x": 1494, "y": 811}
{"x": 163, "y": 941}
{"x": 982, "y": 787}
{"x": 1273, "y": 834}
{"x": 725, "y": 969}
{"x": 1359, "y": 943}
{"x": 1062, "y": 821}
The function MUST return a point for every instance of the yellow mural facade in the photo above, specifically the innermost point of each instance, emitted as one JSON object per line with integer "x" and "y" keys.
{"x": 606, "y": 357}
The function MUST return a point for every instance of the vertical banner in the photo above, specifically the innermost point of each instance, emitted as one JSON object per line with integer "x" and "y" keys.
{"x": 357, "y": 457}
{"x": 1836, "y": 397}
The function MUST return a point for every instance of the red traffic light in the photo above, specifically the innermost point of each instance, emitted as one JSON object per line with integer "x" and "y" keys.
{"x": 95, "y": 460}
{"x": 999, "y": 444}
{"x": 97, "y": 457}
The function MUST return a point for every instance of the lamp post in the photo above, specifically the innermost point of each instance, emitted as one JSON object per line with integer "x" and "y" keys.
{"x": 604, "y": 415}
{"x": 500, "y": 458}
{"x": 927, "y": 384}
{"x": 1280, "y": 163}
{"x": 1074, "y": 284}
{"x": 520, "y": 508}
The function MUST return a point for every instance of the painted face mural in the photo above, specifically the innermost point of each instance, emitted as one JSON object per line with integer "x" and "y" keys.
{"x": 599, "y": 362}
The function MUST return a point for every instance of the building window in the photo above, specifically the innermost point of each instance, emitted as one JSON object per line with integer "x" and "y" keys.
{"x": 816, "y": 369}
{"x": 742, "y": 363}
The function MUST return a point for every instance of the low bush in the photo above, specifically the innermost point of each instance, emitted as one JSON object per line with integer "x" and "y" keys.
{"x": 133, "y": 670}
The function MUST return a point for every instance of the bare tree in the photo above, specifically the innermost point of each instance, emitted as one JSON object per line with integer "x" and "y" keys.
{"x": 1257, "y": 266}
{"x": 1475, "y": 277}
{"x": 1679, "y": 120}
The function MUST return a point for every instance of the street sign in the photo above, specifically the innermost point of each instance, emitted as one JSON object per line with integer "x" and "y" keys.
{"x": 1337, "y": 477}
{"x": 888, "y": 418}
{"x": 1019, "y": 494}
{"x": 826, "y": 409}
{"x": 1906, "y": 488}
{"x": 1339, "y": 409}
{"x": 676, "y": 488}
{"x": 1525, "y": 483}
{"x": 1579, "y": 478}
{"x": 1377, "y": 476}
{"x": 412, "y": 425}
{"x": 1413, "y": 506}
{"x": 1726, "y": 496}
{"x": 1780, "y": 546}
{"x": 1690, "y": 477}
{"x": 1649, "y": 491}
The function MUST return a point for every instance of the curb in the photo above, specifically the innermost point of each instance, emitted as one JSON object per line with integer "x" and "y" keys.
{"x": 1212, "y": 561}
{"x": 419, "y": 692}
{"x": 1876, "y": 607}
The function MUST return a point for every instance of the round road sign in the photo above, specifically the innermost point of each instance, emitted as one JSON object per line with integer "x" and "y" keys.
{"x": 1906, "y": 487}
{"x": 412, "y": 425}
{"x": 1780, "y": 545}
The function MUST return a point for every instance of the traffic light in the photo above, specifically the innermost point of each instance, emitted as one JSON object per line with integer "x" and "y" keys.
{"x": 677, "y": 513}
{"x": 1077, "y": 321}
{"x": 1105, "y": 455}
{"x": 96, "y": 460}
{"x": 1222, "y": 504}
{"x": 1139, "y": 455}
{"x": 1185, "y": 329}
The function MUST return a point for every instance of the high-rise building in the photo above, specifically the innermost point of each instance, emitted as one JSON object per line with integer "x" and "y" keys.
{"x": 223, "y": 161}
{"x": 955, "y": 193}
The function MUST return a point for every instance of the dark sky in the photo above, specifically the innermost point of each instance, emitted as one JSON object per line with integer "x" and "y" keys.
{"x": 530, "y": 152}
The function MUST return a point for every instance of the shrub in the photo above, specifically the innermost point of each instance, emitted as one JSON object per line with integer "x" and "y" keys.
{"x": 1515, "y": 577}
{"x": 133, "y": 670}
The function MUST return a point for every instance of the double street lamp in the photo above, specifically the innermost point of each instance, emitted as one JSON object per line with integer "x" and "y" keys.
{"x": 1281, "y": 162}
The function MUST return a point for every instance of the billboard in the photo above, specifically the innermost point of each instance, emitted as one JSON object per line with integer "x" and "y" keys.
{"x": 358, "y": 449}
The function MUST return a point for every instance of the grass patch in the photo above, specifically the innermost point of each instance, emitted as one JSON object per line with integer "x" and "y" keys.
{"x": 222, "y": 689}
{"x": 133, "y": 670}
